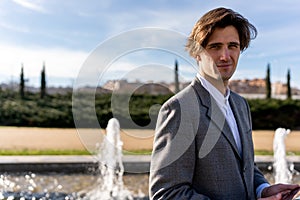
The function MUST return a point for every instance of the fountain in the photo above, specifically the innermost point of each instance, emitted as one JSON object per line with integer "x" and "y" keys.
{"x": 280, "y": 165}
{"x": 283, "y": 171}
{"x": 108, "y": 181}
{"x": 111, "y": 168}
{"x": 109, "y": 177}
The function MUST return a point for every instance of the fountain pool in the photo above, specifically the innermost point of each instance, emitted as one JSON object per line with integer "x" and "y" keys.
{"x": 76, "y": 186}
{"x": 64, "y": 186}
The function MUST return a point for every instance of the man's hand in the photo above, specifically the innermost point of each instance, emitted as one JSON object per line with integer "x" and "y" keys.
{"x": 291, "y": 194}
{"x": 286, "y": 191}
{"x": 274, "y": 197}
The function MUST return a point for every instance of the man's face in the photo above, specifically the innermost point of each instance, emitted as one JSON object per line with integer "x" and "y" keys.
{"x": 224, "y": 48}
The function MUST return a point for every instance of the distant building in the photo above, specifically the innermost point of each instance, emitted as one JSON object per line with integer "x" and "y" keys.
{"x": 243, "y": 86}
{"x": 246, "y": 86}
{"x": 279, "y": 88}
{"x": 258, "y": 86}
{"x": 182, "y": 85}
{"x": 123, "y": 86}
{"x": 254, "y": 88}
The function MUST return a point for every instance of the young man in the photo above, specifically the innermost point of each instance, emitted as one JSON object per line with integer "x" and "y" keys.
{"x": 203, "y": 145}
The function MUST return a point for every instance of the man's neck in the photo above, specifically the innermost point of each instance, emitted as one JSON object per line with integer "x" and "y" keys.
{"x": 225, "y": 82}
{"x": 217, "y": 83}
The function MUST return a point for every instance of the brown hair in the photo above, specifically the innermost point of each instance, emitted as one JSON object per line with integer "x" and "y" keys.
{"x": 219, "y": 18}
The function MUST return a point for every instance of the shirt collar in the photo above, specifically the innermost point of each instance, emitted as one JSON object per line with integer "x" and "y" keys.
{"x": 214, "y": 92}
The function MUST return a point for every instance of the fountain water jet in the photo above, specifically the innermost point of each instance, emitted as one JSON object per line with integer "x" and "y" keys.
{"x": 111, "y": 168}
{"x": 281, "y": 169}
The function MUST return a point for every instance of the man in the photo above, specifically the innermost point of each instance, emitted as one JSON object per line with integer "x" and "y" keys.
{"x": 203, "y": 144}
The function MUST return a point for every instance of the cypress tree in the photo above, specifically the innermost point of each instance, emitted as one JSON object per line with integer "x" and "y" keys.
{"x": 288, "y": 84}
{"x": 22, "y": 83}
{"x": 43, "y": 82}
{"x": 268, "y": 83}
{"x": 176, "y": 77}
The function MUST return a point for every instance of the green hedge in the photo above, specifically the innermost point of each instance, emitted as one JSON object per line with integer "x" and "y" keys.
{"x": 56, "y": 111}
{"x": 274, "y": 113}
{"x": 53, "y": 111}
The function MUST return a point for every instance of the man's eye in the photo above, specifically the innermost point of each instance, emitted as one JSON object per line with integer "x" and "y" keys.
{"x": 234, "y": 46}
{"x": 214, "y": 46}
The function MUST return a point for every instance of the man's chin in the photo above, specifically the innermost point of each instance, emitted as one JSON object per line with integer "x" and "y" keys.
{"x": 226, "y": 78}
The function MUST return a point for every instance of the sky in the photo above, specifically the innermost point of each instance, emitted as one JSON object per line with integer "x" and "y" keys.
{"x": 62, "y": 35}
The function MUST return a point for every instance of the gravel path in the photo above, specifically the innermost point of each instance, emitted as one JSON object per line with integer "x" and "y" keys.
{"x": 64, "y": 139}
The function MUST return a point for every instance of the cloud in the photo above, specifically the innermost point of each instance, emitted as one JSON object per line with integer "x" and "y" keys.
{"x": 31, "y": 6}
{"x": 82, "y": 25}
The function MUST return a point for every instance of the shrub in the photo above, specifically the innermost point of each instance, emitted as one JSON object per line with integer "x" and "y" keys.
{"x": 136, "y": 111}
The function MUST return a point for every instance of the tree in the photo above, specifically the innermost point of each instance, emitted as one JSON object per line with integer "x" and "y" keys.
{"x": 43, "y": 82}
{"x": 22, "y": 83}
{"x": 268, "y": 83}
{"x": 176, "y": 77}
{"x": 288, "y": 84}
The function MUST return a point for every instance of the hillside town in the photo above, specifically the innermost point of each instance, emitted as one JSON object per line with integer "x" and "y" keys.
{"x": 247, "y": 87}
{"x": 250, "y": 88}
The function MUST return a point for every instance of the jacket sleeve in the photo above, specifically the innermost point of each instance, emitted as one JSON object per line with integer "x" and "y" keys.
{"x": 173, "y": 157}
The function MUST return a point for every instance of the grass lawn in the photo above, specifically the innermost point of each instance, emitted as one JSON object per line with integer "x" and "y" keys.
{"x": 27, "y": 152}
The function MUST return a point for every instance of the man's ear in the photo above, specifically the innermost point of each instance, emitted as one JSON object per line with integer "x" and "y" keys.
{"x": 198, "y": 58}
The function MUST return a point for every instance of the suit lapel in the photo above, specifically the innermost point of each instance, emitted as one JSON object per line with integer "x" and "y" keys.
{"x": 215, "y": 114}
{"x": 242, "y": 127}
{"x": 238, "y": 115}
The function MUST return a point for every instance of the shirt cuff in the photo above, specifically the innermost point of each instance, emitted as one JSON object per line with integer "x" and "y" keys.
{"x": 260, "y": 188}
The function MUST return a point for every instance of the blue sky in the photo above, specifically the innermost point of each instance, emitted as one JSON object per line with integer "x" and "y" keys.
{"x": 64, "y": 33}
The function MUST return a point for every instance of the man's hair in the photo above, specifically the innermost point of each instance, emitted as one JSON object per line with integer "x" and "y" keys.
{"x": 219, "y": 18}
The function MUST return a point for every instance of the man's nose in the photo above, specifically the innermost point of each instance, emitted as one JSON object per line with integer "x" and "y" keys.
{"x": 224, "y": 54}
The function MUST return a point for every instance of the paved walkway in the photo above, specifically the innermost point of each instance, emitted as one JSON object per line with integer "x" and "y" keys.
{"x": 68, "y": 164}
{"x": 83, "y": 164}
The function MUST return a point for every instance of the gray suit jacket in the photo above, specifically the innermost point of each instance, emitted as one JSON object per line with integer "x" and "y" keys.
{"x": 195, "y": 155}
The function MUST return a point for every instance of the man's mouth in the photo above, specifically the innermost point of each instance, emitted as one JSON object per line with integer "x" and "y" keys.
{"x": 224, "y": 65}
